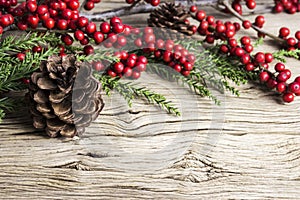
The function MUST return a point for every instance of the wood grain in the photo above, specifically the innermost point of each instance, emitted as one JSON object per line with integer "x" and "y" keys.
{"x": 248, "y": 148}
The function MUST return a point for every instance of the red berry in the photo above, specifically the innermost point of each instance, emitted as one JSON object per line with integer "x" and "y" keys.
{"x": 127, "y": 71}
{"x": 291, "y": 41}
{"x": 42, "y": 9}
{"x": 67, "y": 39}
{"x": 279, "y": 67}
{"x": 111, "y": 73}
{"x": 37, "y": 49}
{"x": 251, "y": 4}
{"x": 98, "y": 66}
{"x": 281, "y": 87}
{"x": 193, "y": 8}
{"x": 185, "y": 72}
{"x": 88, "y": 49}
{"x": 245, "y": 40}
{"x": 259, "y": 57}
{"x": 118, "y": 28}
{"x": 259, "y": 21}
{"x": 288, "y": 97}
{"x": 90, "y": 28}
{"x": 135, "y": 74}
{"x": 67, "y": 14}
{"x": 200, "y": 15}
{"x": 121, "y": 40}
{"x": 130, "y": 62}
{"x": 31, "y": 6}
{"x": 268, "y": 57}
{"x": 49, "y": 23}
{"x": 297, "y": 35}
{"x": 149, "y": 38}
{"x": 115, "y": 20}
{"x": 278, "y": 8}
{"x": 239, "y": 52}
{"x": 237, "y": 7}
{"x": 188, "y": 66}
{"x": 246, "y": 24}
{"x": 140, "y": 67}
{"x": 232, "y": 42}
{"x": 73, "y": 4}
{"x": 220, "y": 28}
{"x": 138, "y": 42}
{"x": 246, "y": 58}
{"x": 130, "y": 1}
{"x": 62, "y": 24}
{"x": 82, "y": 22}
{"x": 21, "y": 56}
{"x": 155, "y": 2}
{"x": 33, "y": 21}
{"x": 284, "y": 32}
{"x": 79, "y": 35}
{"x": 21, "y": 25}
{"x": 250, "y": 67}
{"x": 112, "y": 37}
{"x": 89, "y": 5}
{"x": 98, "y": 37}
{"x": 294, "y": 87}
{"x": 264, "y": 76}
{"x": 167, "y": 56}
{"x": 118, "y": 67}
{"x": 248, "y": 48}
{"x": 142, "y": 59}
{"x": 282, "y": 76}
{"x": 224, "y": 48}
{"x": 105, "y": 27}
{"x": 297, "y": 79}
{"x": 271, "y": 83}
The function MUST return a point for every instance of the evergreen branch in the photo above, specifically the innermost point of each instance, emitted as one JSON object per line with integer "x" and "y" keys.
{"x": 258, "y": 42}
{"x": 130, "y": 92}
{"x": 8, "y": 105}
{"x": 12, "y": 72}
{"x": 13, "y": 44}
{"x": 279, "y": 55}
{"x": 99, "y": 55}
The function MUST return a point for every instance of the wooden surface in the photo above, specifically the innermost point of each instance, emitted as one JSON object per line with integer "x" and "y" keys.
{"x": 246, "y": 149}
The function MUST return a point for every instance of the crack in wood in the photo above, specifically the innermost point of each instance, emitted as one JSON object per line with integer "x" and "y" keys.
{"x": 78, "y": 165}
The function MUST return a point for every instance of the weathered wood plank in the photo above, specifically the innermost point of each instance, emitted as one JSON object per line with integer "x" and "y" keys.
{"x": 248, "y": 149}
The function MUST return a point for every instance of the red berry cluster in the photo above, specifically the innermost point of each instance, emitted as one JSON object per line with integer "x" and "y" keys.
{"x": 241, "y": 50}
{"x": 292, "y": 43}
{"x": 214, "y": 29}
{"x": 236, "y": 5}
{"x": 289, "y": 6}
{"x": 90, "y": 4}
{"x": 152, "y": 2}
{"x": 173, "y": 55}
{"x": 130, "y": 65}
{"x": 279, "y": 79}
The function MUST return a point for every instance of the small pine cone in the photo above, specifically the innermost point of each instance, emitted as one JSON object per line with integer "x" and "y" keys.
{"x": 64, "y": 97}
{"x": 170, "y": 18}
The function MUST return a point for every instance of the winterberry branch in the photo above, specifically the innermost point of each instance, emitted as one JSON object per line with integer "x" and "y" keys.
{"x": 137, "y": 9}
{"x": 259, "y": 30}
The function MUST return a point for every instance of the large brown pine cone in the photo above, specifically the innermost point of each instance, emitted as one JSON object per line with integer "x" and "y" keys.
{"x": 170, "y": 18}
{"x": 64, "y": 97}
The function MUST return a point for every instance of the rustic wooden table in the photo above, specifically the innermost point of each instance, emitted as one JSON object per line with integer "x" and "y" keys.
{"x": 248, "y": 148}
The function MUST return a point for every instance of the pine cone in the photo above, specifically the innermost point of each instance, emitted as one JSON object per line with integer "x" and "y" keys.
{"x": 171, "y": 19}
{"x": 64, "y": 97}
